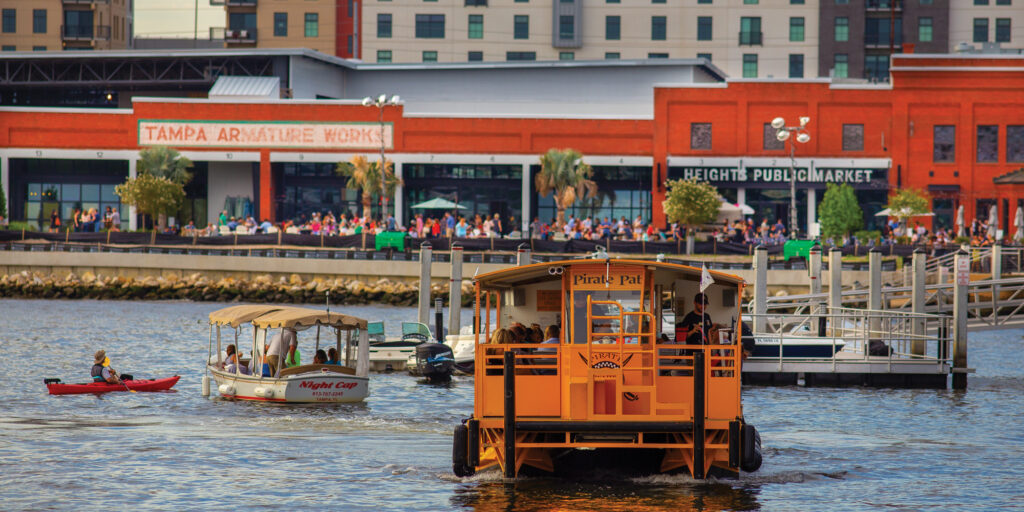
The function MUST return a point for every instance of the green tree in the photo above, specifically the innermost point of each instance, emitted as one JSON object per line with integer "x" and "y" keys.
{"x": 839, "y": 212}
{"x": 907, "y": 203}
{"x": 367, "y": 177}
{"x": 691, "y": 203}
{"x": 165, "y": 162}
{"x": 151, "y": 195}
{"x": 3, "y": 202}
{"x": 564, "y": 174}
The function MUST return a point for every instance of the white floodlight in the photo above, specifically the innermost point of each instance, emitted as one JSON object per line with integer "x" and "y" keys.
{"x": 804, "y": 120}
{"x": 367, "y": 101}
{"x": 394, "y": 100}
{"x": 778, "y": 122}
{"x": 382, "y": 99}
{"x": 803, "y": 137}
{"x": 782, "y": 135}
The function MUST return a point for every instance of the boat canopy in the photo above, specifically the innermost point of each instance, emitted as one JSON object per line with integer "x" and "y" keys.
{"x": 551, "y": 270}
{"x": 298, "y": 318}
{"x": 238, "y": 315}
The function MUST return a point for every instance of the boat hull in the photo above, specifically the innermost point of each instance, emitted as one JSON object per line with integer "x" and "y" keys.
{"x": 797, "y": 348}
{"x": 392, "y": 355}
{"x": 312, "y": 387}
{"x": 103, "y": 387}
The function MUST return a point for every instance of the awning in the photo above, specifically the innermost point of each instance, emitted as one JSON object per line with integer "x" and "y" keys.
{"x": 299, "y": 318}
{"x": 240, "y": 87}
{"x": 438, "y": 203}
{"x": 1010, "y": 178}
{"x": 238, "y": 315}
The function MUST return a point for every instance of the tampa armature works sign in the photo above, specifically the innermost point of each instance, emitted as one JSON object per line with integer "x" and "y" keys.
{"x": 270, "y": 134}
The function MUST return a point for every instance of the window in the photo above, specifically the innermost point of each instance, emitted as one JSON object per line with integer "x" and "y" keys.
{"x": 1003, "y": 2}
{"x": 612, "y": 28}
{"x": 656, "y": 55}
{"x": 613, "y": 1}
{"x": 566, "y": 27}
{"x": 750, "y": 30}
{"x": 657, "y": 1}
{"x": 944, "y": 143}
{"x": 521, "y": 27}
{"x": 1002, "y": 30}
{"x": 312, "y": 26}
{"x": 980, "y": 2}
{"x": 236, "y": 20}
{"x": 703, "y": 28}
{"x": 520, "y": 55}
{"x": 429, "y": 56}
{"x": 566, "y": 55}
{"x": 853, "y": 137}
{"x": 876, "y": 67}
{"x": 749, "y": 65}
{"x": 384, "y": 26}
{"x": 476, "y": 3}
{"x": 521, "y": 1}
{"x": 980, "y": 30}
{"x": 10, "y": 21}
{"x": 1015, "y": 143}
{"x": 476, "y": 26}
{"x": 9, "y": 48}
{"x": 988, "y": 143}
{"x": 876, "y": 31}
{"x": 840, "y": 66}
{"x": 796, "y": 29}
{"x": 704, "y": 56}
{"x": 796, "y": 2}
{"x": 430, "y": 26}
{"x": 611, "y": 55}
{"x": 703, "y": 1}
{"x": 700, "y": 135}
{"x": 842, "y": 2}
{"x": 770, "y": 140}
{"x": 924, "y": 30}
{"x": 384, "y": 56}
{"x": 796, "y": 65}
{"x": 842, "y": 28}
{"x": 475, "y": 56}
{"x": 926, "y": 2}
{"x": 39, "y": 21}
{"x": 39, "y": 48}
{"x": 749, "y": 2}
{"x": 79, "y": 23}
{"x": 281, "y": 24}
{"x": 658, "y": 28}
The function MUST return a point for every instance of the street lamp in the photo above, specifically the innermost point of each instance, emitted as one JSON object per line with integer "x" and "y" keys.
{"x": 380, "y": 102}
{"x": 784, "y": 133}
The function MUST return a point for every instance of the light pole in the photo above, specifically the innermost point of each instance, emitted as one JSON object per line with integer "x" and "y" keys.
{"x": 380, "y": 102}
{"x": 783, "y": 133}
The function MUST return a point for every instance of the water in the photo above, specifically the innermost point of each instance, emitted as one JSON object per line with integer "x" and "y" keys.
{"x": 829, "y": 449}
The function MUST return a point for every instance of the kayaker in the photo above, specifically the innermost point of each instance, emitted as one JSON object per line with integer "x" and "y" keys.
{"x": 101, "y": 370}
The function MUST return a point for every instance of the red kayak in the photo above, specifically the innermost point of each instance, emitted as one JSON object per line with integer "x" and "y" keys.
{"x": 59, "y": 388}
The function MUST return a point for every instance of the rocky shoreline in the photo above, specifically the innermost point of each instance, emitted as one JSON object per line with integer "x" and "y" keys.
{"x": 196, "y": 287}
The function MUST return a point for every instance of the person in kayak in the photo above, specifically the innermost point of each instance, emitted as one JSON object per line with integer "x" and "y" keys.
{"x": 101, "y": 370}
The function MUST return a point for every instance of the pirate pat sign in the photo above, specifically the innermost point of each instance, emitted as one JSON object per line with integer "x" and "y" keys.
{"x": 599, "y": 277}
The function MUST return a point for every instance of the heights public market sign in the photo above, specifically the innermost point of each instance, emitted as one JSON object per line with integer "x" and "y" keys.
{"x": 755, "y": 175}
{"x": 267, "y": 134}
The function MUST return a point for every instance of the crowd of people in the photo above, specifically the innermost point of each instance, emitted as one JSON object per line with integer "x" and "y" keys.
{"x": 87, "y": 221}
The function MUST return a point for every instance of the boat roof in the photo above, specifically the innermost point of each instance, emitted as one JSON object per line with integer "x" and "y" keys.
{"x": 294, "y": 317}
{"x": 238, "y": 315}
{"x": 526, "y": 274}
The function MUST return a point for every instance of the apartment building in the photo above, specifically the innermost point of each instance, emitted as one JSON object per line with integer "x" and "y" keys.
{"x": 323, "y": 25}
{"x": 48, "y": 25}
{"x": 979, "y": 23}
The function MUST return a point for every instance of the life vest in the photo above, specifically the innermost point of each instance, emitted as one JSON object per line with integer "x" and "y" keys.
{"x": 97, "y": 373}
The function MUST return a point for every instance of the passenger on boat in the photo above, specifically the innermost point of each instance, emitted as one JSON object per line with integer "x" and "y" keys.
{"x": 551, "y": 335}
{"x": 536, "y": 334}
{"x": 332, "y": 356}
{"x": 519, "y": 333}
{"x": 696, "y": 328}
{"x": 500, "y": 337}
{"x": 231, "y": 364}
{"x": 276, "y": 349}
{"x": 320, "y": 357}
{"x": 101, "y": 370}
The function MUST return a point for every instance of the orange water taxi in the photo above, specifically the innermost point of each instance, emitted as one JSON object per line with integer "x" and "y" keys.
{"x": 607, "y": 377}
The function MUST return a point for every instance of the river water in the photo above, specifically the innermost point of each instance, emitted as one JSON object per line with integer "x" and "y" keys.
{"x": 825, "y": 449}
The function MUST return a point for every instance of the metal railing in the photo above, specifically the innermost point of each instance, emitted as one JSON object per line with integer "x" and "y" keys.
{"x": 85, "y": 32}
{"x": 244, "y": 35}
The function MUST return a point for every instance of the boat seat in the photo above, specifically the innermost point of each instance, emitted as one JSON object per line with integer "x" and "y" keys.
{"x": 306, "y": 368}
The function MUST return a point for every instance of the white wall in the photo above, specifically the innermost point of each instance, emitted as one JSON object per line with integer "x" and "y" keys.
{"x": 227, "y": 179}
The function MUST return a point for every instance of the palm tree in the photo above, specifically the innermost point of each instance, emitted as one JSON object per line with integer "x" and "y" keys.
{"x": 366, "y": 176}
{"x": 165, "y": 162}
{"x": 563, "y": 173}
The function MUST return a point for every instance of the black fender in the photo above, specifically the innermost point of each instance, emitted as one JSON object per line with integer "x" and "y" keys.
{"x": 751, "y": 460}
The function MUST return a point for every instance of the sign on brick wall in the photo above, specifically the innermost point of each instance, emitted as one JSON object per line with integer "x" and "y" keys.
{"x": 269, "y": 134}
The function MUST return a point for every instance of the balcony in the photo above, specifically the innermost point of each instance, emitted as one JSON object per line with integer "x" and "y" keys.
{"x": 882, "y": 41}
{"x": 85, "y": 32}
{"x": 884, "y": 5}
{"x": 751, "y": 38}
{"x": 234, "y": 3}
{"x": 84, "y": 2}
{"x": 245, "y": 35}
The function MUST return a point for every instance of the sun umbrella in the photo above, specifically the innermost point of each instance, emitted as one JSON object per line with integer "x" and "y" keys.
{"x": 993, "y": 221}
{"x": 884, "y": 213}
{"x": 960, "y": 231}
{"x": 1018, "y": 222}
{"x": 438, "y": 203}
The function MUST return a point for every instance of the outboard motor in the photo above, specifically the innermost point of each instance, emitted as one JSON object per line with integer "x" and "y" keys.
{"x": 435, "y": 361}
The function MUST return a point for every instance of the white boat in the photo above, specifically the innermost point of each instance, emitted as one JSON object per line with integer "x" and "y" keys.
{"x": 463, "y": 349}
{"x": 347, "y": 381}
{"x": 395, "y": 354}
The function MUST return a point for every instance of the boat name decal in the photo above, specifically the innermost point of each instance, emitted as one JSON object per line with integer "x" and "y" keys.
{"x": 326, "y": 385}
{"x": 605, "y": 360}
{"x": 602, "y": 279}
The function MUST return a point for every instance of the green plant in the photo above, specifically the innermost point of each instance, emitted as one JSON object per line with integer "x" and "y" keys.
{"x": 564, "y": 174}
{"x": 165, "y": 162}
{"x": 839, "y": 212}
{"x": 151, "y": 195}
{"x": 864, "y": 235}
{"x": 907, "y": 203}
{"x": 960, "y": 240}
{"x": 691, "y": 202}
{"x": 368, "y": 177}
{"x": 20, "y": 225}
{"x": 3, "y": 202}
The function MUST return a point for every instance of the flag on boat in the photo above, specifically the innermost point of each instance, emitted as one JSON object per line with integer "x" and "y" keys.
{"x": 705, "y": 278}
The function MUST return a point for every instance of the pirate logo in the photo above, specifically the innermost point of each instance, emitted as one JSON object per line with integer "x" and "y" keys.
{"x": 606, "y": 360}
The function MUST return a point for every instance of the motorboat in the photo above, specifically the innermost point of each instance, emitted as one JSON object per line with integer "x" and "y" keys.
{"x": 396, "y": 354}
{"x": 434, "y": 362}
{"x": 799, "y": 342}
{"x": 250, "y": 379}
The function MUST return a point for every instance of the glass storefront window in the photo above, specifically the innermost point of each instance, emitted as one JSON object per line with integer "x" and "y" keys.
{"x": 63, "y": 185}
{"x": 71, "y": 192}
{"x": 90, "y": 193}
{"x": 622, "y": 191}
{"x": 107, "y": 193}
{"x": 51, "y": 192}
